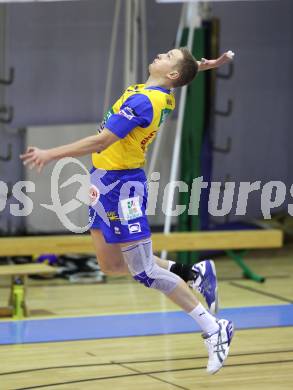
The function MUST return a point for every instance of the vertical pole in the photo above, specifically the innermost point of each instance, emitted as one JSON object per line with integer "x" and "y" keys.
{"x": 135, "y": 34}
{"x": 127, "y": 41}
{"x": 157, "y": 144}
{"x": 155, "y": 151}
{"x": 193, "y": 20}
{"x": 113, "y": 45}
{"x": 144, "y": 39}
{"x": 181, "y": 24}
{"x": 2, "y": 61}
{"x": 2, "y": 53}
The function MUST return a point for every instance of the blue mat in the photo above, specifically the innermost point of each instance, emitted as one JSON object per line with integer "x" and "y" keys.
{"x": 129, "y": 325}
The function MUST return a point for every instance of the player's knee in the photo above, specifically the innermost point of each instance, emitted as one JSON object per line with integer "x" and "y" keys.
{"x": 146, "y": 277}
{"x": 140, "y": 260}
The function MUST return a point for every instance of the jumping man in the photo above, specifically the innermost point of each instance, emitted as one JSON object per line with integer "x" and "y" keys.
{"x": 121, "y": 233}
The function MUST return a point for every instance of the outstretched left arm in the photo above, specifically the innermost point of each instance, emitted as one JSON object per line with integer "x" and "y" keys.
{"x": 35, "y": 157}
{"x": 205, "y": 64}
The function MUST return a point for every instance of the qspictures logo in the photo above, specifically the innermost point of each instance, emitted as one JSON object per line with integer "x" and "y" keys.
{"x": 90, "y": 190}
{"x": 87, "y": 195}
{"x": 82, "y": 197}
{"x": 128, "y": 197}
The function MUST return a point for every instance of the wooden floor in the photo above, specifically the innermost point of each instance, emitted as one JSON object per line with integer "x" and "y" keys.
{"x": 260, "y": 358}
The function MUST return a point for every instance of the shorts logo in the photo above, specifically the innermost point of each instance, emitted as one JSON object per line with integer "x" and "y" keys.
{"x": 117, "y": 230}
{"x": 127, "y": 112}
{"x": 94, "y": 194}
{"x": 131, "y": 208}
{"x": 134, "y": 228}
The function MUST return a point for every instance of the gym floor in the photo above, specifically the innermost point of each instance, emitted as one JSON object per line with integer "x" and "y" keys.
{"x": 119, "y": 335}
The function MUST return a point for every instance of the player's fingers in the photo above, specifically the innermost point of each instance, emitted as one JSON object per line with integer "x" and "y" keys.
{"x": 39, "y": 162}
{"x": 29, "y": 160}
{"x": 32, "y": 165}
{"x": 26, "y": 155}
{"x": 40, "y": 167}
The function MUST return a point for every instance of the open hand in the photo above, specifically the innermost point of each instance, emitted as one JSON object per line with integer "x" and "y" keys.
{"x": 35, "y": 157}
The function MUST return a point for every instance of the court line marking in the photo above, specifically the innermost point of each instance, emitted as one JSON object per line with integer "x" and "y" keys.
{"x": 252, "y": 289}
{"x": 159, "y": 310}
{"x": 203, "y": 357}
{"x": 153, "y": 377}
{"x": 151, "y": 372}
{"x": 114, "y": 362}
{"x": 53, "y": 317}
{"x": 169, "y": 383}
{"x": 241, "y": 278}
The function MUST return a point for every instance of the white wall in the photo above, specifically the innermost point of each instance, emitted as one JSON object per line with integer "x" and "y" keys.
{"x": 41, "y": 219}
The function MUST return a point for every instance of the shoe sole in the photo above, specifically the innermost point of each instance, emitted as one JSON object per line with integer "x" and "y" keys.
{"x": 215, "y": 305}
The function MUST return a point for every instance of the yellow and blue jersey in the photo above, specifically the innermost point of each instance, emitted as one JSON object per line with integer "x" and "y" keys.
{"x": 135, "y": 118}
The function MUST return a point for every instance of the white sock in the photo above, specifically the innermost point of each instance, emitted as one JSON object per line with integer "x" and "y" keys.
{"x": 170, "y": 263}
{"x": 205, "y": 320}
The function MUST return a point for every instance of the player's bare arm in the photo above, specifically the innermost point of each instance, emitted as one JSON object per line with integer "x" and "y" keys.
{"x": 36, "y": 157}
{"x": 225, "y": 58}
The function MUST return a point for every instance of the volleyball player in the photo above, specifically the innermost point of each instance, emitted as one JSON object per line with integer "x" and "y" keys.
{"x": 119, "y": 227}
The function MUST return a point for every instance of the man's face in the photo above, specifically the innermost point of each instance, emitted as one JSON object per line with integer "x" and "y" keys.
{"x": 165, "y": 64}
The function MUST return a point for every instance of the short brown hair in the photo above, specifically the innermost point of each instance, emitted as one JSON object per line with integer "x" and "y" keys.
{"x": 187, "y": 67}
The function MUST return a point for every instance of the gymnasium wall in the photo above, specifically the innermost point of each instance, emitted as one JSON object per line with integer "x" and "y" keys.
{"x": 261, "y": 33}
{"x": 60, "y": 54}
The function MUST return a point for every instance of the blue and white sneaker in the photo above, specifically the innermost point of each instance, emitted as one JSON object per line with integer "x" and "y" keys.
{"x": 218, "y": 345}
{"x": 205, "y": 282}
